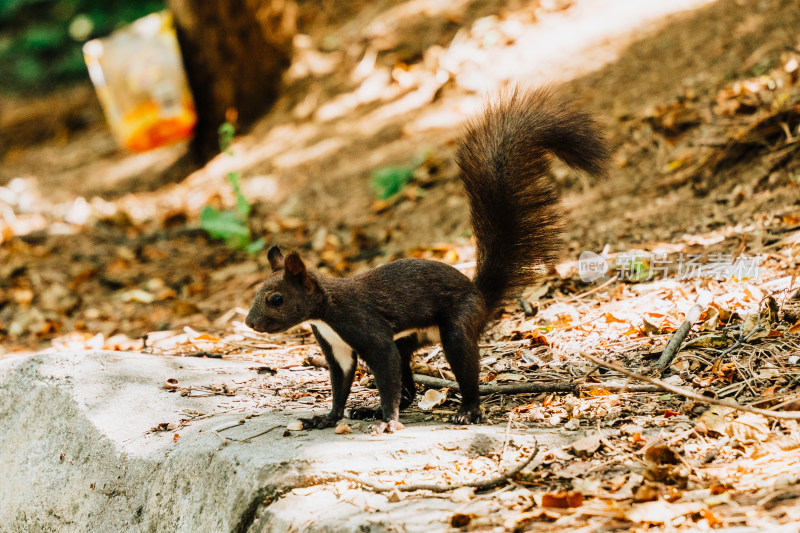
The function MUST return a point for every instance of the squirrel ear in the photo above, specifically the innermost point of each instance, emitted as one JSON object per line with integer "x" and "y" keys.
{"x": 295, "y": 270}
{"x": 275, "y": 258}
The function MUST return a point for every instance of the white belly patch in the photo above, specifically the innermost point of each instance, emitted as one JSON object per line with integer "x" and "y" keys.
{"x": 425, "y": 335}
{"x": 342, "y": 352}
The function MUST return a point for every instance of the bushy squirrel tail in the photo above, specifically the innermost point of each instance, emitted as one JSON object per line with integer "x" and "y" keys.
{"x": 515, "y": 203}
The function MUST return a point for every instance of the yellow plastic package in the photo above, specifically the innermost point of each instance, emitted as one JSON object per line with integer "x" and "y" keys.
{"x": 140, "y": 81}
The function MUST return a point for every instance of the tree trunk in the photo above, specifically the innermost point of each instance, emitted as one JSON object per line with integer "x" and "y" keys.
{"x": 235, "y": 53}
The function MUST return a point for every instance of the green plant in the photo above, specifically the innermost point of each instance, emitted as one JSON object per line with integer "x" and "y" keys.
{"x": 231, "y": 225}
{"x": 389, "y": 181}
{"x": 40, "y": 40}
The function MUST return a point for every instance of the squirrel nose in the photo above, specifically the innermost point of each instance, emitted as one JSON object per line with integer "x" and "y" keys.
{"x": 249, "y": 322}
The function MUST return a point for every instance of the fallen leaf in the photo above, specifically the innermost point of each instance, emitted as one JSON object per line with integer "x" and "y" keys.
{"x": 510, "y": 376}
{"x": 724, "y": 371}
{"x": 518, "y": 521}
{"x": 661, "y": 454}
{"x": 717, "y": 499}
{"x": 137, "y": 296}
{"x": 207, "y": 337}
{"x": 562, "y": 500}
{"x": 661, "y": 512}
{"x": 460, "y": 520}
{"x": 343, "y": 429}
{"x": 395, "y": 496}
{"x": 749, "y": 426}
{"x": 432, "y": 398}
{"x": 586, "y": 446}
{"x": 596, "y": 391}
{"x": 708, "y": 341}
{"x": 462, "y": 494}
{"x": 647, "y": 492}
{"x": 755, "y": 326}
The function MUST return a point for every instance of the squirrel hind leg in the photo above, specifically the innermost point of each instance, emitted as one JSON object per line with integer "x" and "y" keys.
{"x": 365, "y": 413}
{"x": 407, "y": 345}
{"x": 460, "y": 346}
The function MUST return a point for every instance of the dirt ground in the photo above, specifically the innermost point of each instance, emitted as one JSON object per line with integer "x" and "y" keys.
{"x": 101, "y": 249}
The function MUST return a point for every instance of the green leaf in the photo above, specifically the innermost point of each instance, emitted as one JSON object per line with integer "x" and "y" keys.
{"x": 226, "y": 132}
{"x": 223, "y": 224}
{"x": 388, "y": 181}
{"x": 255, "y": 246}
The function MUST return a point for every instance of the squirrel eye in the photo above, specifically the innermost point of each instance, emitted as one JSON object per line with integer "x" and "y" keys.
{"x": 276, "y": 300}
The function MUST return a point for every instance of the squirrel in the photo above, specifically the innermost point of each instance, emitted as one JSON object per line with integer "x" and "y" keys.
{"x": 387, "y": 313}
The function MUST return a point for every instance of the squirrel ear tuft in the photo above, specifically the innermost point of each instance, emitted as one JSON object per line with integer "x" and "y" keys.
{"x": 275, "y": 258}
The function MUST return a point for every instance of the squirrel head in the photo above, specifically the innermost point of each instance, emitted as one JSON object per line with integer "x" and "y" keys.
{"x": 289, "y": 296}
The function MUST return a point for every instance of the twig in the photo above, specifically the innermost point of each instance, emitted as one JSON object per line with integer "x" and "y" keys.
{"x": 259, "y": 434}
{"x": 483, "y": 484}
{"x": 533, "y": 388}
{"x": 604, "y": 440}
{"x": 675, "y": 342}
{"x": 686, "y": 393}
{"x": 505, "y": 439}
{"x": 587, "y": 293}
{"x": 218, "y": 434}
{"x": 742, "y": 337}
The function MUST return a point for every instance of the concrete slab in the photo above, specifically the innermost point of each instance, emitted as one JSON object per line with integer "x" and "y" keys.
{"x": 78, "y": 452}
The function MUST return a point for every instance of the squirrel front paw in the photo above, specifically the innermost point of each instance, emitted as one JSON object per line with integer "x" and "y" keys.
{"x": 318, "y": 422}
{"x": 467, "y": 416}
{"x": 386, "y": 427}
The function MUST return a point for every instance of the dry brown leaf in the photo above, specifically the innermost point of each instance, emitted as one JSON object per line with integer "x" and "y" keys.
{"x": 562, "y": 500}
{"x": 661, "y": 454}
{"x": 646, "y": 492}
{"x": 661, "y": 512}
{"x": 432, "y": 398}
{"x": 611, "y": 319}
{"x": 595, "y": 391}
{"x": 755, "y": 326}
{"x": 510, "y": 376}
{"x": 460, "y": 520}
{"x": 586, "y": 446}
{"x": 709, "y": 341}
{"x": 518, "y": 521}
{"x": 724, "y": 371}
{"x": 749, "y": 426}
{"x": 714, "y": 420}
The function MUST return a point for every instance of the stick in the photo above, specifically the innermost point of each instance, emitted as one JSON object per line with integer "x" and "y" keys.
{"x": 533, "y": 388}
{"x": 506, "y": 438}
{"x": 686, "y": 393}
{"x": 259, "y": 434}
{"x": 677, "y": 338}
{"x": 481, "y": 484}
{"x": 587, "y": 293}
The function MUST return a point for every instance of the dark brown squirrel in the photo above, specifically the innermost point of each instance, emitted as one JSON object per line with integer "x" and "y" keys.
{"x": 385, "y": 314}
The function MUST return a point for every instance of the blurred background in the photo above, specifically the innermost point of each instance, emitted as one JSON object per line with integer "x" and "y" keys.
{"x": 339, "y": 125}
{"x": 41, "y": 40}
